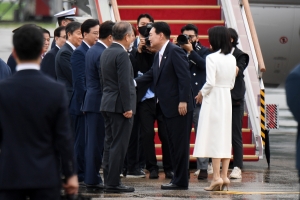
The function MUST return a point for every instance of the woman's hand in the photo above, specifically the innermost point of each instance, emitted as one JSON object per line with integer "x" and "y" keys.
{"x": 199, "y": 98}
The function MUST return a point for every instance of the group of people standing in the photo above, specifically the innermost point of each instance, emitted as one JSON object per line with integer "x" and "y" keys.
{"x": 115, "y": 86}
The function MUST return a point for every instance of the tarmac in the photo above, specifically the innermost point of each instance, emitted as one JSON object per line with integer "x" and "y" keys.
{"x": 280, "y": 181}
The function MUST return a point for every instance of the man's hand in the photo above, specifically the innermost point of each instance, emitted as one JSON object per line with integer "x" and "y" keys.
{"x": 141, "y": 44}
{"x": 182, "y": 108}
{"x": 128, "y": 114}
{"x": 237, "y": 71}
{"x": 71, "y": 187}
{"x": 199, "y": 98}
{"x": 188, "y": 47}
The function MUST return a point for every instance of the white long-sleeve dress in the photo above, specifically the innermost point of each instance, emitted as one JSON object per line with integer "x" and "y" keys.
{"x": 214, "y": 126}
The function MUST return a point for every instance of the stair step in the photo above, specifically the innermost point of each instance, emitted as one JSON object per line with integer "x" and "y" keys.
{"x": 248, "y": 149}
{"x": 245, "y": 158}
{"x": 171, "y": 13}
{"x": 176, "y": 25}
{"x": 171, "y": 2}
{"x": 168, "y": 7}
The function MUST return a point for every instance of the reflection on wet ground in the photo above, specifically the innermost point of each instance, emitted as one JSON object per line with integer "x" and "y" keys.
{"x": 258, "y": 182}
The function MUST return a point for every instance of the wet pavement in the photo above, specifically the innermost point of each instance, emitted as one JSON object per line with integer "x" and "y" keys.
{"x": 258, "y": 182}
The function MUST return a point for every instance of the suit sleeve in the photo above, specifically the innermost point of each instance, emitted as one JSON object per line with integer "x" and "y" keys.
{"x": 65, "y": 64}
{"x": 242, "y": 63}
{"x": 48, "y": 60}
{"x": 78, "y": 72}
{"x": 181, "y": 67}
{"x": 293, "y": 93}
{"x": 124, "y": 68}
{"x": 146, "y": 80}
{"x": 199, "y": 61}
{"x": 63, "y": 137}
{"x": 210, "y": 76}
{"x": 144, "y": 61}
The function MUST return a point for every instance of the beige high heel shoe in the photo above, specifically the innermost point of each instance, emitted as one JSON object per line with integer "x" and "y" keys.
{"x": 215, "y": 186}
{"x": 226, "y": 183}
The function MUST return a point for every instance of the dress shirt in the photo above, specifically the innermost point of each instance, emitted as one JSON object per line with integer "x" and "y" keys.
{"x": 25, "y": 66}
{"x": 103, "y": 43}
{"x": 69, "y": 43}
{"x": 121, "y": 45}
{"x": 57, "y": 46}
{"x": 86, "y": 43}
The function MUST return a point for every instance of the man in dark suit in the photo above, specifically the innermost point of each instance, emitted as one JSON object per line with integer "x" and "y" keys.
{"x": 94, "y": 122}
{"x": 196, "y": 54}
{"x": 90, "y": 34}
{"x": 33, "y": 128}
{"x": 62, "y": 60}
{"x": 293, "y": 97}
{"x": 118, "y": 104}
{"x": 4, "y": 70}
{"x": 48, "y": 62}
{"x": 146, "y": 107}
{"x": 237, "y": 99}
{"x": 171, "y": 81}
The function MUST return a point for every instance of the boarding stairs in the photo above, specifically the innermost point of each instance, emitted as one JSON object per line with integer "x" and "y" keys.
{"x": 177, "y": 13}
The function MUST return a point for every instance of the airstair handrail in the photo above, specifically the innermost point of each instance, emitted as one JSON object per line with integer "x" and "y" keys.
{"x": 233, "y": 15}
{"x": 115, "y": 10}
{"x": 259, "y": 56}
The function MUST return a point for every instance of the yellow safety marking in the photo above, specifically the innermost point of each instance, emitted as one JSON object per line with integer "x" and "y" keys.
{"x": 262, "y": 92}
{"x": 240, "y": 192}
{"x": 262, "y": 126}
{"x": 262, "y": 118}
{"x": 262, "y": 110}
{"x": 262, "y": 101}
{"x": 262, "y": 134}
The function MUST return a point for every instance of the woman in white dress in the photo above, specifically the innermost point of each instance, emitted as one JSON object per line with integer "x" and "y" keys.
{"x": 214, "y": 127}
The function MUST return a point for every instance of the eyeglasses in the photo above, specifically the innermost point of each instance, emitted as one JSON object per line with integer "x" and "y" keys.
{"x": 95, "y": 33}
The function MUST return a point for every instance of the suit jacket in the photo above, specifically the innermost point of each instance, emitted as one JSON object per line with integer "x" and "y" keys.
{"x": 53, "y": 44}
{"x": 48, "y": 63}
{"x": 116, "y": 78}
{"x": 78, "y": 77}
{"x": 92, "y": 100}
{"x": 197, "y": 65}
{"x": 293, "y": 97}
{"x": 35, "y": 128}
{"x": 239, "y": 89}
{"x": 63, "y": 68}
{"x": 171, "y": 81}
{"x": 11, "y": 62}
{"x": 4, "y": 70}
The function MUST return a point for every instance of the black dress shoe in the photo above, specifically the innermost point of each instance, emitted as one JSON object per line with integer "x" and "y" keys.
{"x": 169, "y": 174}
{"x": 171, "y": 186}
{"x": 118, "y": 189}
{"x": 153, "y": 174}
{"x": 94, "y": 188}
{"x": 203, "y": 174}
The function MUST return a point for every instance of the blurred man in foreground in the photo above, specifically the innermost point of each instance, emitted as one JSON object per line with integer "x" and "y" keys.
{"x": 34, "y": 127}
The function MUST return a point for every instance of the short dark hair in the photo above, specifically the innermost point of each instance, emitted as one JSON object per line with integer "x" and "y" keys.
{"x": 120, "y": 29}
{"x": 145, "y": 15}
{"x": 58, "y": 30}
{"x": 45, "y": 31}
{"x": 190, "y": 27}
{"x": 88, "y": 24}
{"x": 106, "y": 29}
{"x": 234, "y": 36}
{"x": 71, "y": 27}
{"x": 162, "y": 27}
{"x": 219, "y": 38}
{"x": 28, "y": 42}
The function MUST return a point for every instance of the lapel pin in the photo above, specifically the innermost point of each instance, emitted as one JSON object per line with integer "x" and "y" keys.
{"x": 165, "y": 57}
